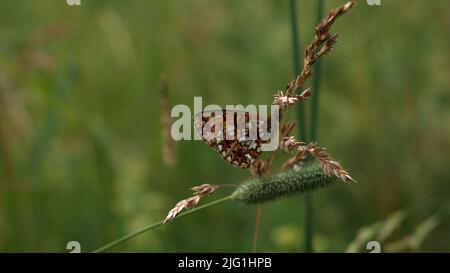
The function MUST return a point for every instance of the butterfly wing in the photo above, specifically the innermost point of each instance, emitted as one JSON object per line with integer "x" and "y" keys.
{"x": 220, "y": 130}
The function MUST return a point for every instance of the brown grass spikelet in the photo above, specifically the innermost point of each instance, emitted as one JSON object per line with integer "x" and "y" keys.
{"x": 321, "y": 44}
{"x": 330, "y": 166}
{"x": 199, "y": 192}
{"x": 285, "y": 99}
{"x": 204, "y": 189}
{"x": 182, "y": 205}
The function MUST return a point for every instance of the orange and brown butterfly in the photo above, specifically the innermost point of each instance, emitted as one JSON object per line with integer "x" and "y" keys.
{"x": 236, "y": 135}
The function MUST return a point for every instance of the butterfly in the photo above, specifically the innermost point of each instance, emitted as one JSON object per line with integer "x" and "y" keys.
{"x": 236, "y": 135}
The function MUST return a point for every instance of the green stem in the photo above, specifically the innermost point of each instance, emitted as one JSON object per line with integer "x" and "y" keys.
{"x": 316, "y": 82}
{"x": 157, "y": 224}
{"x": 308, "y": 224}
{"x": 296, "y": 65}
{"x": 301, "y": 121}
{"x": 309, "y": 212}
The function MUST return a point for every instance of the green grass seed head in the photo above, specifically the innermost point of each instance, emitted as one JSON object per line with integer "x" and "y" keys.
{"x": 309, "y": 178}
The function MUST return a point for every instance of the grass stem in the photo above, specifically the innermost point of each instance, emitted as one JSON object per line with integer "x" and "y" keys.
{"x": 301, "y": 120}
{"x": 257, "y": 227}
{"x": 157, "y": 224}
{"x": 309, "y": 211}
{"x": 296, "y": 65}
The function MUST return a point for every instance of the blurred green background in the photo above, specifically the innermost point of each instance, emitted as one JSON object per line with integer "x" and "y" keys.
{"x": 81, "y": 141}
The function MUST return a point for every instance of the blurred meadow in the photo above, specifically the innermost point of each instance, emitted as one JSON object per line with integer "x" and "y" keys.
{"x": 81, "y": 141}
